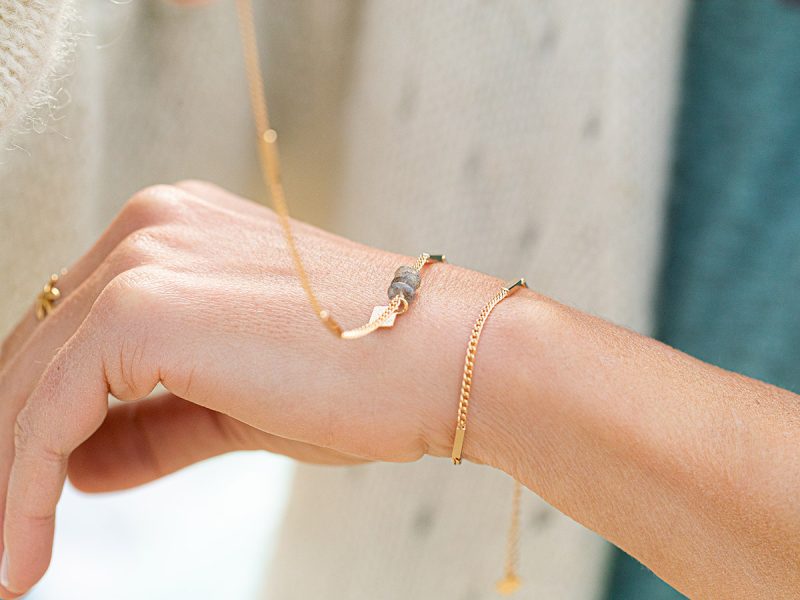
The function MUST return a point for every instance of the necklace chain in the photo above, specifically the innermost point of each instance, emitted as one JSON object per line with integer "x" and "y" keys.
{"x": 271, "y": 173}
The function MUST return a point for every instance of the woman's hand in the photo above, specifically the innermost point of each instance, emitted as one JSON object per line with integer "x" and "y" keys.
{"x": 192, "y": 287}
{"x": 690, "y": 468}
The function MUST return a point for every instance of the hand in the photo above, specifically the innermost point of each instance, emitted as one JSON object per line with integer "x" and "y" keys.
{"x": 192, "y": 287}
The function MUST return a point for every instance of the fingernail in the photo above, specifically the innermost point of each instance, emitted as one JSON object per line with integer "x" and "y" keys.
{"x": 4, "y": 570}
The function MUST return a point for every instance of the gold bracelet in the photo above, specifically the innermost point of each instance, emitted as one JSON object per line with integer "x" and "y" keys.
{"x": 469, "y": 365}
{"x": 510, "y": 581}
{"x": 401, "y": 292}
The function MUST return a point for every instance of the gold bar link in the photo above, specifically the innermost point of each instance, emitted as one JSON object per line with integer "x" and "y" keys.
{"x": 518, "y": 284}
{"x": 458, "y": 444}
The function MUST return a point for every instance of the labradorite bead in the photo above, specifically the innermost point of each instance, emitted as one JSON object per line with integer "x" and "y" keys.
{"x": 407, "y": 275}
{"x": 399, "y": 288}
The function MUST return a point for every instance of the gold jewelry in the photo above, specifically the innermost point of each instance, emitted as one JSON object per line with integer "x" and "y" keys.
{"x": 401, "y": 291}
{"x": 510, "y": 581}
{"x": 47, "y": 298}
{"x": 271, "y": 172}
{"x": 403, "y": 286}
{"x": 469, "y": 365}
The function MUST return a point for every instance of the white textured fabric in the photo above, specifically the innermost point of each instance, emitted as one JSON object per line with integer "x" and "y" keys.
{"x": 34, "y": 41}
{"x": 519, "y": 137}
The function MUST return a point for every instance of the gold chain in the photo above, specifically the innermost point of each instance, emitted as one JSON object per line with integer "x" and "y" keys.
{"x": 469, "y": 365}
{"x": 384, "y": 316}
{"x": 469, "y": 362}
{"x": 510, "y": 581}
{"x": 271, "y": 173}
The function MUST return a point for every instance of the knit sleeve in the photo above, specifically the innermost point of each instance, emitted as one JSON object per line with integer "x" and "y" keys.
{"x": 35, "y": 39}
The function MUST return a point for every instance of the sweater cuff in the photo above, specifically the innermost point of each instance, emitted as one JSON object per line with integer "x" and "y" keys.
{"x": 35, "y": 40}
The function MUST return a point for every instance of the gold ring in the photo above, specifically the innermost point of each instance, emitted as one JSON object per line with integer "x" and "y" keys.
{"x": 47, "y": 298}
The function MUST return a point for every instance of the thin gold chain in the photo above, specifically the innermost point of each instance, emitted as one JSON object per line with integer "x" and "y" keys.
{"x": 469, "y": 361}
{"x": 469, "y": 364}
{"x": 510, "y": 581}
{"x": 268, "y": 151}
{"x": 271, "y": 173}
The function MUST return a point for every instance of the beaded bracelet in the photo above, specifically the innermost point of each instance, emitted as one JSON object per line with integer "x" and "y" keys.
{"x": 401, "y": 292}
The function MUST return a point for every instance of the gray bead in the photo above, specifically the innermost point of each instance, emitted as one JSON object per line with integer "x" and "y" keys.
{"x": 398, "y": 288}
{"x": 407, "y": 275}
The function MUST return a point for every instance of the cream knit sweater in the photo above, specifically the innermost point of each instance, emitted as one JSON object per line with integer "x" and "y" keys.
{"x": 519, "y": 137}
{"x": 34, "y": 41}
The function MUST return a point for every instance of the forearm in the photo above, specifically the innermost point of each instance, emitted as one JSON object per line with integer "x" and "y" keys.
{"x": 692, "y": 469}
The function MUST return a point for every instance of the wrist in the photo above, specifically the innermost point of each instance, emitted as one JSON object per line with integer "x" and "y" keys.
{"x": 504, "y": 383}
{"x": 501, "y": 379}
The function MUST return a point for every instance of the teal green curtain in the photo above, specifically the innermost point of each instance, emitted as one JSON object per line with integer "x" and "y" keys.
{"x": 730, "y": 286}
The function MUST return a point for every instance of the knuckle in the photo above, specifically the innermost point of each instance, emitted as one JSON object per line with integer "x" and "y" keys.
{"x": 154, "y": 204}
{"x": 128, "y": 292}
{"x": 129, "y": 307}
{"x": 27, "y": 442}
{"x": 21, "y": 433}
{"x": 140, "y": 247}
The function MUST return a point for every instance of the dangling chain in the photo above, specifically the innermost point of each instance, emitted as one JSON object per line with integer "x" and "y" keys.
{"x": 510, "y": 581}
{"x": 271, "y": 172}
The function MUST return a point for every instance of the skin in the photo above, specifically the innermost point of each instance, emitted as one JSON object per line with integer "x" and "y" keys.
{"x": 692, "y": 469}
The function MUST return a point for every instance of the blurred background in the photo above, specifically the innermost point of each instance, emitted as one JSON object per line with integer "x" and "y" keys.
{"x": 175, "y": 538}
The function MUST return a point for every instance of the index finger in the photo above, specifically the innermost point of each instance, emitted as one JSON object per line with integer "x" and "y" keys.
{"x": 68, "y": 404}
{"x": 44, "y": 432}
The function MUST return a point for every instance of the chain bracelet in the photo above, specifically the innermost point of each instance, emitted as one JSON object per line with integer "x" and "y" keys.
{"x": 469, "y": 365}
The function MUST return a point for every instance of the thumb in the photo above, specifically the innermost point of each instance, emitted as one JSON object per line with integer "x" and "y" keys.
{"x": 148, "y": 439}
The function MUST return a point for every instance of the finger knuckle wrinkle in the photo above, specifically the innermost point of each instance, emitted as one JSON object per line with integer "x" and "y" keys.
{"x": 41, "y": 520}
{"x": 21, "y": 435}
{"x": 126, "y": 309}
{"x": 127, "y": 380}
{"x": 28, "y": 444}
